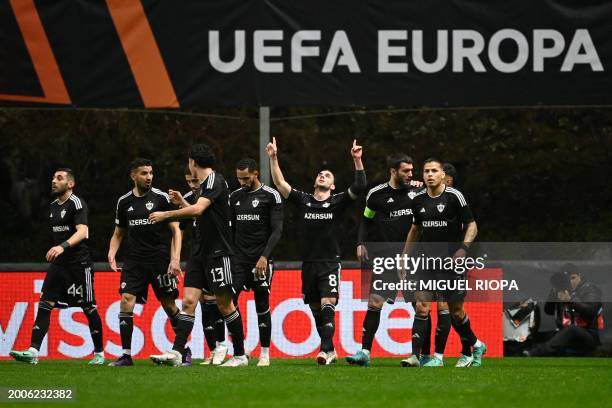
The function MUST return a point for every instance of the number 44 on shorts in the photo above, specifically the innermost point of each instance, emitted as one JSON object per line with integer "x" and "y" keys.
{"x": 75, "y": 291}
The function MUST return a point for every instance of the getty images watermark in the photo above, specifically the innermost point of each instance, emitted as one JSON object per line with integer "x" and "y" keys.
{"x": 403, "y": 272}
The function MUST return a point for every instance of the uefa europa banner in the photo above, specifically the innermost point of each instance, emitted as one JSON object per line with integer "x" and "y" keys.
{"x": 179, "y": 54}
{"x": 293, "y": 333}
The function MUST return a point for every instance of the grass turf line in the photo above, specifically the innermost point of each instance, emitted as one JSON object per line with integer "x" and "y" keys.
{"x": 544, "y": 382}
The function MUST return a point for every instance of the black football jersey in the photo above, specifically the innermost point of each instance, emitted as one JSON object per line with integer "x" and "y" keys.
{"x": 63, "y": 219}
{"x": 318, "y": 222}
{"x": 391, "y": 211}
{"x": 214, "y": 225}
{"x": 442, "y": 218}
{"x": 253, "y": 213}
{"x": 147, "y": 242}
{"x": 191, "y": 198}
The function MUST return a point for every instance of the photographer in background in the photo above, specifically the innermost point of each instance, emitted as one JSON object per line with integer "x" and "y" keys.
{"x": 576, "y": 305}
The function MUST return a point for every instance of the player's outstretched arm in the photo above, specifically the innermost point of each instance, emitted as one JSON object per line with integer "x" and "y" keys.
{"x": 277, "y": 175}
{"x": 360, "y": 183}
{"x": 174, "y": 268}
{"x": 113, "y": 246}
{"x": 190, "y": 211}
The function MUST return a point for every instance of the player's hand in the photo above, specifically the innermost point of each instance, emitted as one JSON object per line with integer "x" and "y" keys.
{"x": 113, "y": 263}
{"x": 362, "y": 253}
{"x": 53, "y": 253}
{"x": 176, "y": 197}
{"x": 271, "y": 149}
{"x": 416, "y": 183}
{"x": 261, "y": 266}
{"x": 356, "y": 150}
{"x": 158, "y": 216}
{"x": 174, "y": 268}
{"x": 564, "y": 296}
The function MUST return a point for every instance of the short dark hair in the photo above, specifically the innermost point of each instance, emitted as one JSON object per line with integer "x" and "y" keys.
{"x": 138, "y": 162}
{"x": 394, "y": 161}
{"x": 202, "y": 155}
{"x": 570, "y": 269}
{"x": 433, "y": 160}
{"x": 187, "y": 171}
{"x": 450, "y": 170}
{"x": 247, "y": 164}
{"x": 68, "y": 172}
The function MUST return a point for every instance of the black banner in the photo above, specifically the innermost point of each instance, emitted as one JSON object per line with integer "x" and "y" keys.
{"x": 154, "y": 53}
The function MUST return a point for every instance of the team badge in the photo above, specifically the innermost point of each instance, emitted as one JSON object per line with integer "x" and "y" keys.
{"x": 123, "y": 285}
{"x": 411, "y": 194}
{"x": 422, "y": 210}
{"x": 308, "y": 204}
{"x": 149, "y": 205}
{"x": 440, "y": 207}
{"x": 51, "y": 215}
{"x": 390, "y": 200}
{"x": 237, "y": 203}
{"x": 63, "y": 213}
{"x": 325, "y": 205}
{"x": 255, "y": 203}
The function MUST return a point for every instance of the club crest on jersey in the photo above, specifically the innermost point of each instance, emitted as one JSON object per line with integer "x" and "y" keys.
{"x": 237, "y": 203}
{"x": 63, "y": 213}
{"x": 255, "y": 203}
{"x": 308, "y": 204}
{"x": 390, "y": 200}
{"x": 325, "y": 205}
{"x": 149, "y": 205}
{"x": 51, "y": 215}
{"x": 411, "y": 194}
{"x": 422, "y": 210}
{"x": 440, "y": 207}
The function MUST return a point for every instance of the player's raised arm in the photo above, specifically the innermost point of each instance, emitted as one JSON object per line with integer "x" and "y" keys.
{"x": 277, "y": 175}
{"x": 360, "y": 183}
{"x": 113, "y": 246}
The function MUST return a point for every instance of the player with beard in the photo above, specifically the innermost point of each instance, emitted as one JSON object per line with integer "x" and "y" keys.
{"x": 257, "y": 224}
{"x": 149, "y": 260}
{"x": 211, "y": 263}
{"x": 320, "y": 214}
{"x": 443, "y": 221}
{"x": 70, "y": 280}
{"x": 387, "y": 217}
{"x": 213, "y": 325}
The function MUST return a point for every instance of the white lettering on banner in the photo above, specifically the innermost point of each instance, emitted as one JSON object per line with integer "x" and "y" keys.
{"x": 280, "y": 313}
{"x": 384, "y": 338}
{"x": 469, "y": 45}
{"x": 214, "y": 55}
{"x": 261, "y": 50}
{"x": 112, "y": 323}
{"x": 78, "y": 329}
{"x": 9, "y": 334}
{"x": 347, "y": 308}
{"x": 469, "y": 50}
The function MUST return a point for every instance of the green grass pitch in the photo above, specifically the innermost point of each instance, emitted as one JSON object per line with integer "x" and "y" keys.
{"x": 511, "y": 382}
